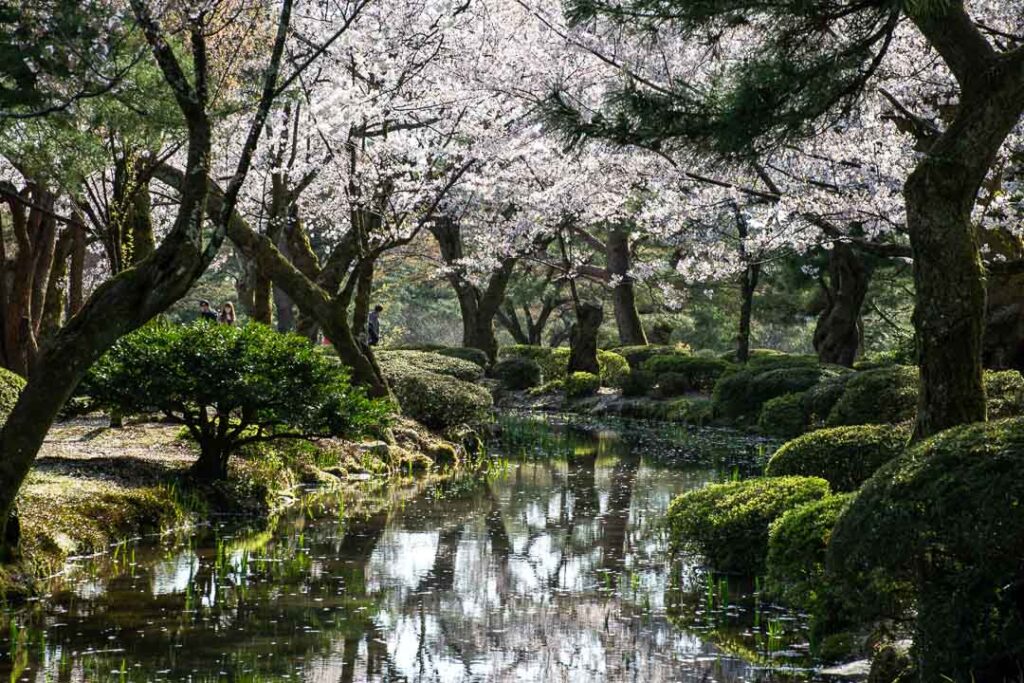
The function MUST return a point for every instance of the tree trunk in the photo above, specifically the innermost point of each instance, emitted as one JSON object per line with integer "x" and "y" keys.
{"x": 837, "y": 334}
{"x": 212, "y": 464}
{"x": 285, "y": 311}
{"x": 583, "y": 339}
{"x": 627, "y": 317}
{"x": 76, "y": 278}
{"x": 748, "y": 285}
{"x": 364, "y": 290}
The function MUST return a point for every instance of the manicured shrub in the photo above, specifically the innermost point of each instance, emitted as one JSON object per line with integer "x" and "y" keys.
{"x": 945, "y": 519}
{"x": 783, "y": 416}
{"x": 429, "y": 361}
{"x": 671, "y": 384}
{"x": 742, "y": 393}
{"x": 476, "y": 356}
{"x": 728, "y": 523}
{"x": 692, "y": 410}
{"x": 232, "y": 386}
{"x": 614, "y": 369}
{"x": 844, "y": 456}
{"x": 770, "y": 359}
{"x": 819, "y": 400}
{"x": 11, "y": 385}
{"x": 1005, "y": 392}
{"x": 437, "y": 401}
{"x": 694, "y": 373}
{"x": 636, "y": 355}
{"x": 637, "y": 383}
{"x": 580, "y": 384}
{"x": 517, "y": 373}
{"x": 554, "y": 363}
{"x": 797, "y": 542}
{"x": 883, "y": 395}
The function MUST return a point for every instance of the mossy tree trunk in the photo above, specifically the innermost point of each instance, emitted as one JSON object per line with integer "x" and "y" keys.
{"x": 627, "y": 317}
{"x": 837, "y": 333}
{"x": 940, "y": 194}
{"x": 583, "y": 339}
{"x": 133, "y": 297}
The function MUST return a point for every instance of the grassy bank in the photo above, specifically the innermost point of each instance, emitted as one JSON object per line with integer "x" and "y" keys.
{"x": 93, "y": 487}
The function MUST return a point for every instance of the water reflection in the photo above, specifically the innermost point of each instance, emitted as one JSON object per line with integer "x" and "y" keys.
{"x": 551, "y": 568}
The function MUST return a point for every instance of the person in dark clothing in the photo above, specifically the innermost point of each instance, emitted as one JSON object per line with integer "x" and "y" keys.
{"x": 204, "y": 311}
{"x": 373, "y": 326}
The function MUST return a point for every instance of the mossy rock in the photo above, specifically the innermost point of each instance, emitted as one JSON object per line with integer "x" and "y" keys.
{"x": 741, "y": 394}
{"x": 517, "y": 373}
{"x": 844, "y": 456}
{"x": 686, "y": 372}
{"x": 1005, "y": 393}
{"x": 783, "y": 416}
{"x": 947, "y": 519}
{"x": 797, "y": 542}
{"x": 892, "y": 664}
{"x": 728, "y": 523}
{"x": 429, "y": 361}
{"x": 581, "y": 384}
{"x": 883, "y": 395}
{"x": 11, "y": 385}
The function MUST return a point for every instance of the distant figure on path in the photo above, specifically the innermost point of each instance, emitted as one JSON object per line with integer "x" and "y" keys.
{"x": 204, "y": 311}
{"x": 373, "y": 326}
{"x": 227, "y": 314}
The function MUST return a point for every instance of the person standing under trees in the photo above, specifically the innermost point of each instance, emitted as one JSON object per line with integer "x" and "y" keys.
{"x": 227, "y": 314}
{"x": 204, "y": 311}
{"x": 373, "y": 326}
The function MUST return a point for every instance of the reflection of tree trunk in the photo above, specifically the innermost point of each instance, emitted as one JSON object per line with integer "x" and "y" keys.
{"x": 582, "y": 471}
{"x": 615, "y": 523}
{"x": 837, "y": 334}
{"x": 348, "y": 660}
{"x": 441, "y": 576}
{"x": 583, "y": 339}
{"x": 627, "y": 317}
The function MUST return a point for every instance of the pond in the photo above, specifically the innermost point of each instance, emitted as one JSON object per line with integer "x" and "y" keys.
{"x": 550, "y": 565}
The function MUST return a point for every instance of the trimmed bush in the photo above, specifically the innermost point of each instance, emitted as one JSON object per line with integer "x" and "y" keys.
{"x": 11, "y": 385}
{"x": 694, "y": 373}
{"x": 517, "y": 373}
{"x": 637, "y": 383}
{"x": 783, "y": 416}
{"x": 438, "y": 401}
{"x": 797, "y": 542}
{"x": 728, "y": 523}
{"x": 770, "y": 359}
{"x": 819, "y": 400}
{"x": 946, "y": 519}
{"x": 691, "y": 410}
{"x": 741, "y": 394}
{"x": 636, "y": 355}
{"x": 429, "y": 361}
{"x": 475, "y": 356}
{"x": 580, "y": 384}
{"x": 554, "y": 363}
{"x": 883, "y": 395}
{"x": 1005, "y": 392}
{"x": 232, "y": 386}
{"x": 670, "y": 384}
{"x": 844, "y": 456}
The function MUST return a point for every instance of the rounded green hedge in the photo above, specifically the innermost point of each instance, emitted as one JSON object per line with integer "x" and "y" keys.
{"x": 636, "y": 355}
{"x": 728, "y": 523}
{"x": 819, "y": 400}
{"x": 741, "y": 394}
{"x": 883, "y": 395}
{"x": 1005, "y": 392}
{"x": 477, "y": 356}
{"x": 580, "y": 384}
{"x": 947, "y": 519}
{"x": 430, "y": 361}
{"x": 783, "y": 416}
{"x": 11, "y": 385}
{"x": 690, "y": 373}
{"x": 844, "y": 456}
{"x": 517, "y": 373}
{"x": 554, "y": 362}
{"x": 797, "y": 542}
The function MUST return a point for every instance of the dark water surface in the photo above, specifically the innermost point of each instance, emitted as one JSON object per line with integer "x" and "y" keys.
{"x": 549, "y": 566}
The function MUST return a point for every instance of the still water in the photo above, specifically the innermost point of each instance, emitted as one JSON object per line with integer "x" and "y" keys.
{"x": 550, "y": 565}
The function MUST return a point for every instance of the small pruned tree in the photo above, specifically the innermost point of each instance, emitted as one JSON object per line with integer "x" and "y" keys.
{"x": 233, "y": 386}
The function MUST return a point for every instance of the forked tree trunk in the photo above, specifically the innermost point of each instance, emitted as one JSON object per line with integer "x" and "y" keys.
{"x": 583, "y": 339}
{"x": 627, "y": 317}
{"x": 837, "y": 334}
